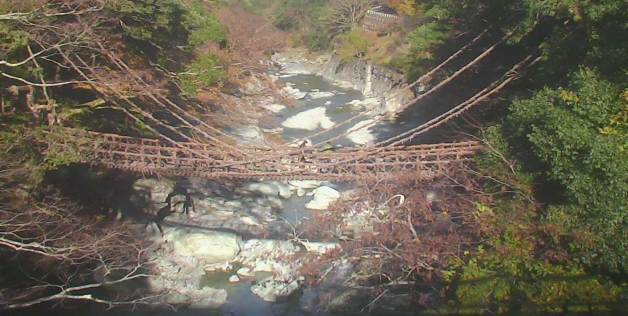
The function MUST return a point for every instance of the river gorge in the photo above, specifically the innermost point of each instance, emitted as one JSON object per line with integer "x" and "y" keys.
{"x": 240, "y": 251}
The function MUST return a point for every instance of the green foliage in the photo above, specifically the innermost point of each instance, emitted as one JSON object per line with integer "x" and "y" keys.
{"x": 155, "y": 21}
{"x": 507, "y": 276}
{"x": 204, "y": 26}
{"x": 169, "y": 23}
{"x": 303, "y": 17}
{"x": 426, "y": 36}
{"x": 525, "y": 264}
{"x": 256, "y": 6}
{"x": 577, "y": 137}
{"x": 204, "y": 71}
{"x": 354, "y": 45}
{"x": 11, "y": 40}
{"x": 18, "y": 146}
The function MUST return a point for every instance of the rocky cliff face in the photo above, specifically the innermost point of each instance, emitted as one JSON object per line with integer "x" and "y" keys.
{"x": 373, "y": 80}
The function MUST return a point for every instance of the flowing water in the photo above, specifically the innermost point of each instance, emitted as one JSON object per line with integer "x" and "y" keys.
{"x": 241, "y": 301}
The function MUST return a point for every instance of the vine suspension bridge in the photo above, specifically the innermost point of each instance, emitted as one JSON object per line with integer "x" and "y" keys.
{"x": 217, "y": 159}
{"x": 151, "y": 156}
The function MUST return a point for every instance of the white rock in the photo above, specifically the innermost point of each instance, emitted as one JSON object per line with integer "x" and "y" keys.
{"x": 208, "y": 246}
{"x": 275, "y": 202}
{"x": 266, "y": 256}
{"x": 219, "y": 266}
{"x": 370, "y": 102}
{"x": 245, "y": 272}
{"x": 355, "y": 103}
{"x": 327, "y": 102}
{"x": 309, "y": 120}
{"x": 344, "y": 84}
{"x": 269, "y": 289}
{"x": 249, "y": 132}
{"x": 250, "y": 220}
{"x": 300, "y": 192}
{"x": 234, "y": 279}
{"x": 318, "y": 95}
{"x": 299, "y": 95}
{"x": 275, "y": 108}
{"x": 320, "y": 247}
{"x": 270, "y": 188}
{"x": 305, "y": 184}
{"x": 323, "y": 197}
{"x": 361, "y": 135}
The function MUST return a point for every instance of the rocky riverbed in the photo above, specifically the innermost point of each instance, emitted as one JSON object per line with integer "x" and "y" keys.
{"x": 245, "y": 234}
{"x": 229, "y": 226}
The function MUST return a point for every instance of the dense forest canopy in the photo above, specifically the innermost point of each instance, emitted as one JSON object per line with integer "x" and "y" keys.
{"x": 546, "y": 200}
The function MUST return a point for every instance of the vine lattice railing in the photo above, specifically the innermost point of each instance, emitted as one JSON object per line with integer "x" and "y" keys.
{"x": 190, "y": 159}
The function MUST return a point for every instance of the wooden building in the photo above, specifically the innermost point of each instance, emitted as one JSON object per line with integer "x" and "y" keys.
{"x": 379, "y": 18}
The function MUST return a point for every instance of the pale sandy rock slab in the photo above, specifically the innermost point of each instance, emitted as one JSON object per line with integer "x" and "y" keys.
{"x": 207, "y": 246}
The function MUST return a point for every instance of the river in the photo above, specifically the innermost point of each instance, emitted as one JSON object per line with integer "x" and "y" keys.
{"x": 322, "y": 104}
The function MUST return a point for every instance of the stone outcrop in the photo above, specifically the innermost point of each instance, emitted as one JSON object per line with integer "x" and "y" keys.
{"x": 373, "y": 80}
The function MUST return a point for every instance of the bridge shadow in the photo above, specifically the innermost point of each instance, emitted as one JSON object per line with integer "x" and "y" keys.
{"x": 419, "y": 113}
{"x": 191, "y": 225}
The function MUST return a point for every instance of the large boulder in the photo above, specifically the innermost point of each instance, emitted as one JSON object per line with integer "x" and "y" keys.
{"x": 270, "y": 188}
{"x": 206, "y": 246}
{"x": 323, "y": 197}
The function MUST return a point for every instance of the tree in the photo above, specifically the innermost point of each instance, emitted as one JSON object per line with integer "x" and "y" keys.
{"x": 343, "y": 15}
{"x": 52, "y": 250}
{"x": 576, "y": 136}
{"x": 407, "y": 7}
